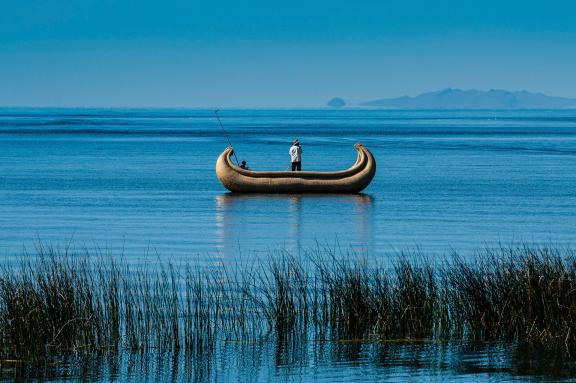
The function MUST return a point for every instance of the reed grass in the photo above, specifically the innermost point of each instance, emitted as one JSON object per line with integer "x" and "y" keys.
{"x": 64, "y": 302}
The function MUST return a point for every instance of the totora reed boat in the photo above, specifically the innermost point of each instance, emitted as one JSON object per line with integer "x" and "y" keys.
{"x": 352, "y": 180}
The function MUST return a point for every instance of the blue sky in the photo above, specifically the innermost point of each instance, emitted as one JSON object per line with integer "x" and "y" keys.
{"x": 263, "y": 53}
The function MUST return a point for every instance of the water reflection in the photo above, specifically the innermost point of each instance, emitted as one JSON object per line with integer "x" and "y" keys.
{"x": 249, "y": 222}
{"x": 319, "y": 360}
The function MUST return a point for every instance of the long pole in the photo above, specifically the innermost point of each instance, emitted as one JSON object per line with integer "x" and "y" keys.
{"x": 226, "y": 134}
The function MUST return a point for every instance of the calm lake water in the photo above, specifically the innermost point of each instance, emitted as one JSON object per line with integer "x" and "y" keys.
{"x": 141, "y": 183}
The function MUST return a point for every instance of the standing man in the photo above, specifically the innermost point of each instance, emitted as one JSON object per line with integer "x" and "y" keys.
{"x": 296, "y": 156}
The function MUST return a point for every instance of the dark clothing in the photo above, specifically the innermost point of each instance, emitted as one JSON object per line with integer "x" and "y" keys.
{"x": 297, "y": 166}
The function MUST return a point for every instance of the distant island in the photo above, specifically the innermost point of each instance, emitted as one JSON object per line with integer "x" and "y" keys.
{"x": 451, "y": 98}
{"x": 337, "y": 102}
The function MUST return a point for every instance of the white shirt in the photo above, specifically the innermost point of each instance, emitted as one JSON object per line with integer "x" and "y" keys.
{"x": 296, "y": 153}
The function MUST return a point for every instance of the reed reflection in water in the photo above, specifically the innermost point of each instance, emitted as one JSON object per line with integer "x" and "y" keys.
{"x": 253, "y": 221}
{"x": 350, "y": 361}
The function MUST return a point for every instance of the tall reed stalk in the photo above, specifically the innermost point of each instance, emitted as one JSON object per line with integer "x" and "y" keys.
{"x": 67, "y": 302}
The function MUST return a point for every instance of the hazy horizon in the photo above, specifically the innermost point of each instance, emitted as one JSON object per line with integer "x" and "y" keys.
{"x": 257, "y": 54}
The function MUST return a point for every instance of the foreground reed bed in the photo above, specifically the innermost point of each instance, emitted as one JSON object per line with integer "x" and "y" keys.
{"x": 69, "y": 303}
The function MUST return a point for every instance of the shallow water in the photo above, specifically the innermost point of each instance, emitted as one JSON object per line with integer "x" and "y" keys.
{"x": 141, "y": 183}
{"x": 347, "y": 361}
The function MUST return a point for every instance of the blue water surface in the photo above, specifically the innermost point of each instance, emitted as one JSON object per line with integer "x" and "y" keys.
{"x": 142, "y": 181}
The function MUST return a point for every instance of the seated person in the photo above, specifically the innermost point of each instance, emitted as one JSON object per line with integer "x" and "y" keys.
{"x": 243, "y": 165}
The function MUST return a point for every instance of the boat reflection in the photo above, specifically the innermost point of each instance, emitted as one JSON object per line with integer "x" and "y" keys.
{"x": 258, "y": 224}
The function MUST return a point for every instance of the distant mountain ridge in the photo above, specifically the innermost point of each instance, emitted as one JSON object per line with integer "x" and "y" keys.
{"x": 451, "y": 98}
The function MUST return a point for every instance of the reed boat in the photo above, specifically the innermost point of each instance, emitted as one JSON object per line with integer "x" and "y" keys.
{"x": 352, "y": 180}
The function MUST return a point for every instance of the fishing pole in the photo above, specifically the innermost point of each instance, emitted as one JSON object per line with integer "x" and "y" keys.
{"x": 226, "y": 134}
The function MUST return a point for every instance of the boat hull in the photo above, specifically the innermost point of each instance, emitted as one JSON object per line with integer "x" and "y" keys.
{"x": 352, "y": 180}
